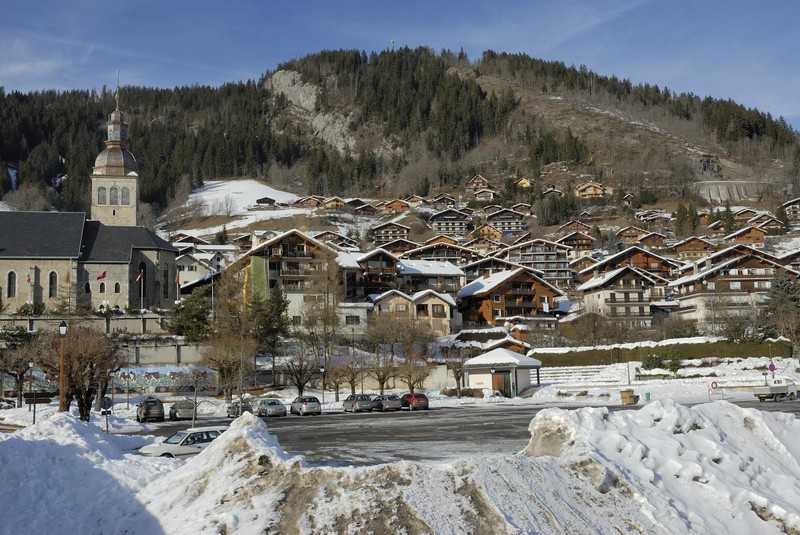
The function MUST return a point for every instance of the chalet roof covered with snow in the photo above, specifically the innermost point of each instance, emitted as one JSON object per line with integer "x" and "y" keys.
{"x": 429, "y": 268}
{"x": 626, "y": 252}
{"x": 606, "y": 278}
{"x": 743, "y": 231}
{"x": 502, "y": 357}
{"x": 700, "y": 275}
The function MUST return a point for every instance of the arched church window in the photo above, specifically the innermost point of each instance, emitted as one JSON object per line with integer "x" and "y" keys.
{"x": 116, "y": 288}
{"x": 113, "y": 195}
{"x": 126, "y": 196}
{"x": 101, "y": 195}
{"x": 102, "y": 287}
{"x": 52, "y": 285}
{"x": 11, "y": 287}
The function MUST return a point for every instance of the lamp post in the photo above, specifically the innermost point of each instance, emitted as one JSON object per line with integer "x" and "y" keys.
{"x": 33, "y": 392}
{"x": 62, "y": 383}
{"x": 322, "y": 371}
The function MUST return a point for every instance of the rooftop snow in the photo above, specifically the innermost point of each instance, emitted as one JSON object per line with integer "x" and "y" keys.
{"x": 503, "y": 357}
{"x": 429, "y": 267}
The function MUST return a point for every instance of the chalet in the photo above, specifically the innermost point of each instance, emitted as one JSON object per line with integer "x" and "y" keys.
{"x": 737, "y": 287}
{"x": 265, "y": 201}
{"x": 484, "y": 245}
{"x": 451, "y": 222}
{"x": 523, "y": 208}
{"x": 631, "y": 235}
{"x": 623, "y": 295}
{"x": 627, "y": 199}
{"x": 585, "y": 215}
{"x": 489, "y": 266}
{"x": 476, "y": 183}
{"x": 399, "y": 246}
{"x": 692, "y": 248}
{"x": 418, "y": 275}
{"x": 335, "y": 239}
{"x": 467, "y": 210}
{"x": 652, "y": 240}
{"x": 703, "y": 217}
{"x": 415, "y": 200}
{"x": 182, "y": 237}
{"x": 725, "y": 255}
{"x": 742, "y": 216}
{"x": 551, "y": 190}
{"x": 581, "y": 263}
{"x": 491, "y": 208}
{"x": 442, "y": 201}
{"x": 488, "y": 338}
{"x": 581, "y": 244}
{"x": 522, "y": 182}
{"x": 333, "y": 203}
{"x": 429, "y": 307}
{"x": 791, "y": 260}
{"x": 396, "y": 206}
{"x": 485, "y": 195}
{"x": 590, "y": 190}
{"x": 518, "y": 292}
{"x": 752, "y": 236}
{"x": 356, "y": 203}
{"x": 507, "y": 221}
{"x": 772, "y": 225}
{"x": 441, "y": 238}
{"x": 291, "y": 261}
{"x": 443, "y": 252}
{"x": 792, "y": 209}
{"x": 312, "y": 201}
{"x": 378, "y": 205}
{"x": 574, "y": 226}
{"x": 378, "y": 272}
{"x": 488, "y": 231}
{"x": 632, "y": 256}
{"x": 387, "y": 232}
{"x": 715, "y": 228}
{"x": 551, "y": 258}
{"x": 366, "y": 210}
{"x": 192, "y": 269}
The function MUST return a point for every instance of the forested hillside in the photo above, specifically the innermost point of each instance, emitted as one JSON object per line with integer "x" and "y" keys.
{"x": 414, "y": 119}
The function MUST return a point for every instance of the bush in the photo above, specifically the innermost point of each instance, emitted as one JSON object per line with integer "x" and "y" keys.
{"x": 651, "y": 362}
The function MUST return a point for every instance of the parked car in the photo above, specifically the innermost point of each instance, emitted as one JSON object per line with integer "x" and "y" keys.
{"x": 779, "y": 389}
{"x": 187, "y": 442}
{"x": 150, "y": 408}
{"x": 387, "y": 402}
{"x": 235, "y": 409}
{"x": 357, "y": 403}
{"x": 270, "y": 407}
{"x": 415, "y": 401}
{"x": 182, "y": 410}
{"x": 303, "y": 405}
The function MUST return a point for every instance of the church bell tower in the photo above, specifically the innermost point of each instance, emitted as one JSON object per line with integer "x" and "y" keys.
{"x": 115, "y": 182}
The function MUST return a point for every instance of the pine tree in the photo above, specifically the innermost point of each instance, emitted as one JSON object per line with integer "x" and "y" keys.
{"x": 681, "y": 221}
{"x": 728, "y": 221}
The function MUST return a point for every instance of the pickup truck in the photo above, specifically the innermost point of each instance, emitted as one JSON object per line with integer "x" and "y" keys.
{"x": 777, "y": 390}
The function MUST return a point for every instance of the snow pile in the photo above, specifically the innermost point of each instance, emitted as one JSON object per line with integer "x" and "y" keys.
{"x": 66, "y": 475}
{"x": 629, "y": 345}
{"x": 712, "y": 468}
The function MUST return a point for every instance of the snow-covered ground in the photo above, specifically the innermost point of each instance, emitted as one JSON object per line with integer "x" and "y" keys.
{"x": 712, "y": 468}
{"x": 4, "y": 207}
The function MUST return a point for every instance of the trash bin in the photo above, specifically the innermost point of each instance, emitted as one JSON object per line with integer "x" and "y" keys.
{"x": 627, "y": 397}
{"x": 647, "y": 396}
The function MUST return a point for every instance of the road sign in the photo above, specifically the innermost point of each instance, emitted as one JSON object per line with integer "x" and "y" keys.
{"x": 771, "y": 367}
{"x": 714, "y": 385}
{"x": 38, "y": 401}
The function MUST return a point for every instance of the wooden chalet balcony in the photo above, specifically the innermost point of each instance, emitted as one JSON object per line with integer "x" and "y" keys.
{"x": 379, "y": 271}
{"x": 631, "y": 301}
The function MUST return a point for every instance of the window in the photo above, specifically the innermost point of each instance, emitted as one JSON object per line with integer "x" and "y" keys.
{"x": 166, "y": 286}
{"x": 102, "y": 287}
{"x": 438, "y": 311}
{"x": 116, "y": 288}
{"x": 711, "y": 285}
{"x": 735, "y": 285}
{"x": 422, "y": 311}
{"x": 87, "y": 288}
{"x": 52, "y": 285}
{"x": 11, "y": 287}
{"x": 496, "y": 298}
{"x": 296, "y": 320}
{"x": 113, "y": 195}
{"x": 101, "y": 195}
{"x": 401, "y": 308}
{"x": 352, "y": 320}
{"x": 181, "y": 268}
{"x": 126, "y": 196}
{"x": 497, "y": 312}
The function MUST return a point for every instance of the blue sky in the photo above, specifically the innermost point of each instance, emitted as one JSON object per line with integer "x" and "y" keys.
{"x": 745, "y": 50}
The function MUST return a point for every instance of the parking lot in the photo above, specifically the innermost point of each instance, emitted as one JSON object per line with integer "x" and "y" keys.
{"x": 435, "y": 435}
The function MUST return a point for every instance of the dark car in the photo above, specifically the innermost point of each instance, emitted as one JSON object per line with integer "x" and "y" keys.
{"x": 235, "y": 409}
{"x": 150, "y": 408}
{"x": 415, "y": 401}
{"x": 182, "y": 410}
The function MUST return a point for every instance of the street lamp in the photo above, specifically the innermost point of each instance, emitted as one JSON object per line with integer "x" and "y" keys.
{"x": 33, "y": 392}
{"x": 62, "y": 394}
{"x": 322, "y": 371}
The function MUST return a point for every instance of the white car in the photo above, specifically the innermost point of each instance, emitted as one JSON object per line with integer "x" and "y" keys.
{"x": 187, "y": 442}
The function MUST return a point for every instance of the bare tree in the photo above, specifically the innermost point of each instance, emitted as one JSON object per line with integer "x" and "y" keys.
{"x": 19, "y": 351}
{"x": 455, "y": 357}
{"x": 335, "y": 379}
{"x": 413, "y": 373}
{"x": 351, "y": 373}
{"x": 381, "y": 336}
{"x": 229, "y": 355}
{"x": 302, "y": 366}
{"x": 415, "y": 339}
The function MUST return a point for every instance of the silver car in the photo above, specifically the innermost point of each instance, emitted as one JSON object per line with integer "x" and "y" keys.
{"x": 270, "y": 407}
{"x": 357, "y": 403}
{"x": 387, "y": 402}
{"x": 150, "y": 408}
{"x": 303, "y": 405}
{"x": 188, "y": 442}
{"x": 182, "y": 410}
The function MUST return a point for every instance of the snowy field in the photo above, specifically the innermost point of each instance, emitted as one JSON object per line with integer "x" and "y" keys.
{"x": 712, "y": 468}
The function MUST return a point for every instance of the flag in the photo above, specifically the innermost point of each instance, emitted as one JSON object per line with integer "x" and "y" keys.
{"x": 102, "y": 275}
{"x": 140, "y": 276}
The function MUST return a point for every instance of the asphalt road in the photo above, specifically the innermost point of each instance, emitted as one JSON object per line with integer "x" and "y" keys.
{"x": 435, "y": 435}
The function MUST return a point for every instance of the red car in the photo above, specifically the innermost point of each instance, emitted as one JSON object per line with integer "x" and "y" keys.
{"x": 416, "y": 401}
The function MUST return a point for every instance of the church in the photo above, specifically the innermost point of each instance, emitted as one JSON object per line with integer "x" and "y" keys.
{"x": 66, "y": 262}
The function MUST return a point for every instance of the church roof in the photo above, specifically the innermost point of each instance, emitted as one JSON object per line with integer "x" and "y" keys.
{"x": 41, "y": 234}
{"x": 102, "y": 243}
